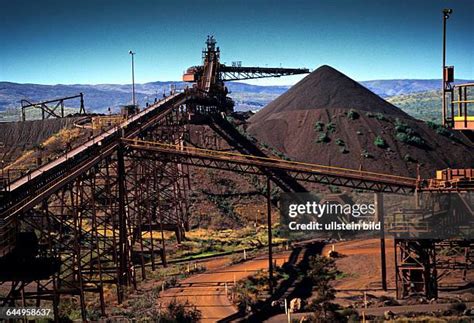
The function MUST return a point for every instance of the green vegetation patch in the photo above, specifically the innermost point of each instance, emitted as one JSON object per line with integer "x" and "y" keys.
{"x": 322, "y": 272}
{"x": 319, "y": 126}
{"x": 380, "y": 116}
{"x": 252, "y": 291}
{"x": 408, "y": 158}
{"x": 323, "y": 138}
{"x": 421, "y": 105}
{"x": 353, "y": 114}
{"x": 331, "y": 127}
{"x": 380, "y": 142}
{"x": 405, "y": 134}
{"x": 440, "y": 130}
{"x": 340, "y": 142}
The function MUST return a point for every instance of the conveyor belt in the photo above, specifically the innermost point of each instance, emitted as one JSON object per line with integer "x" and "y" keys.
{"x": 28, "y": 190}
{"x": 381, "y": 182}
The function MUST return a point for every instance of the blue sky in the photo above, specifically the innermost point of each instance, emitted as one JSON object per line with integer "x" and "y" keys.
{"x": 69, "y": 42}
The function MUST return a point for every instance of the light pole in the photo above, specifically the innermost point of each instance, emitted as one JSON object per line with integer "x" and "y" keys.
{"x": 446, "y": 14}
{"x": 133, "y": 77}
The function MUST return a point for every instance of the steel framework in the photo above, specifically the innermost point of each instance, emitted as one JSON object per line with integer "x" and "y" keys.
{"x": 97, "y": 218}
{"x": 419, "y": 266}
{"x": 99, "y": 213}
{"x": 263, "y": 166}
{"x": 50, "y": 111}
{"x": 421, "y": 262}
{"x": 234, "y": 73}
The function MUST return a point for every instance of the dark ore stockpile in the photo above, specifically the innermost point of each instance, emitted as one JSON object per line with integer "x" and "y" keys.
{"x": 328, "y": 118}
{"x": 18, "y": 137}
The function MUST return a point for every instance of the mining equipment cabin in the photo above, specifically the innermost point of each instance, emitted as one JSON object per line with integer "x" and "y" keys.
{"x": 208, "y": 79}
{"x": 454, "y": 178}
{"x": 458, "y": 114}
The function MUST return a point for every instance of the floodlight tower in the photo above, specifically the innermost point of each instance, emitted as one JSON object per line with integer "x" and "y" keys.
{"x": 460, "y": 119}
{"x": 448, "y": 71}
{"x": 133, "y": 77}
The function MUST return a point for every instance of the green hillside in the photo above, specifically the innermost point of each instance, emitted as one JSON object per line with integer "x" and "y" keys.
{"x": 421, "y": 105}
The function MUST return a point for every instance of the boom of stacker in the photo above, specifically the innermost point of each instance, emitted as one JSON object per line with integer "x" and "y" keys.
{"x": 209, "y": 77}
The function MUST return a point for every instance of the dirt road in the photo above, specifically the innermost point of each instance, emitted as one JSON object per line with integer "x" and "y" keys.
{"x": 207, "y": 290}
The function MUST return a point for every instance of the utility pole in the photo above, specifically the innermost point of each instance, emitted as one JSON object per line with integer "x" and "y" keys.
{"x": 133, "y": 77}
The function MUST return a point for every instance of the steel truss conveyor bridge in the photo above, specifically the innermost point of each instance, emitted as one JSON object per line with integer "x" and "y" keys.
{"x": 305, "y": 172}
{"x": 96, "y": 215}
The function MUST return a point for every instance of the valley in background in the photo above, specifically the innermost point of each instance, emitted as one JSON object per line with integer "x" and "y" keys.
{"x": 419, "y": 98}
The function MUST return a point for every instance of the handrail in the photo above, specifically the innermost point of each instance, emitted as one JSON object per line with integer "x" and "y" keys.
{"x": 464, "y": 85}
{"x": 461, "y": 119}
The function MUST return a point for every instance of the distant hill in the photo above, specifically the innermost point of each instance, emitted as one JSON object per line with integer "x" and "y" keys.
{"x": 421, "y": 105}
{"x": 98, "y": 98}
{"x": 387, "y": 88}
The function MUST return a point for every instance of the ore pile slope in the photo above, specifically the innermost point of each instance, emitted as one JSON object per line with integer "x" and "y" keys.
{"x": 328, "y": 118}
{"x": 18, "y": 137}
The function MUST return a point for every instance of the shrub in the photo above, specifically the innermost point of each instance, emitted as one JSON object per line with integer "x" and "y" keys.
{"x": 331, "y": 127}
{"x": 380, "y": 142}
{"x": 340, "y": 142}
{"x": 322, "y": 271}
{"x": 353, "y": 114}
{"x": 324, "y": 138}
{"x": 180, "y": 312}
{"x": 380, "y": 116}
{"x": 457, "y": 307}
{"x": 408, "y": 158}
{"x": 334, "y": 189}
{"x": 414, "y": 140}
{"x": 279, "y": 154}
{"x": 349, "y": 313}
{"x": 231, "y": 120}
{"x": 433, "y": 125}
{"x": 400, "y": 126}
{"x": 344, "y": 150}
{"x": 403, "y": 137}
{"x": 440, "y": 130}
{"x": 369, "y": 114}
{"x": 443, "y": 131}
{"x": 319, "y": 126}
{"x": 417, "y": 141}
